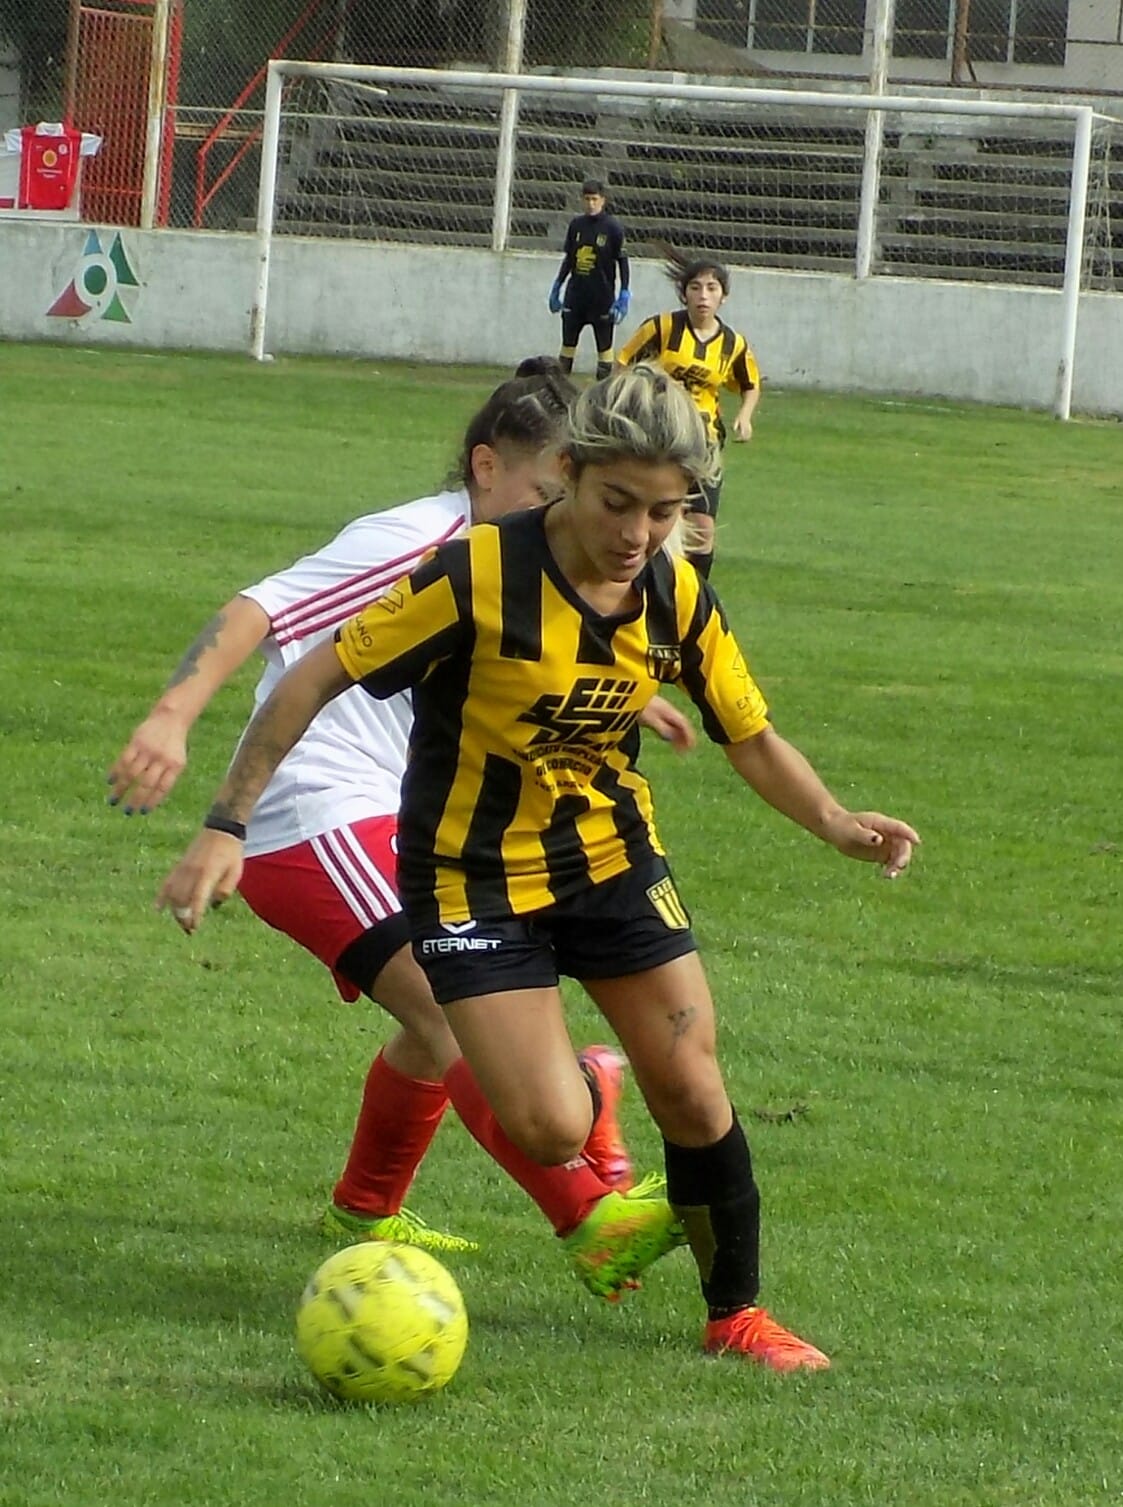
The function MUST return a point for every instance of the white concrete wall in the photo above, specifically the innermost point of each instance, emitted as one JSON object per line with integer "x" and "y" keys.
{"x": 983, "y": 343}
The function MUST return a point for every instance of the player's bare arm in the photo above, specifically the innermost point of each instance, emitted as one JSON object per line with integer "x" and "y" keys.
{"x": 152, "y": 760}
{"x": 780, "y": 775}
{"x": 209, "y": 871}
{"x": 668, "y": 723}
{"x": 743, "y": 422}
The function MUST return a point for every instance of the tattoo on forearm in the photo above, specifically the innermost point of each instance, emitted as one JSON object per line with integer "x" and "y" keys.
{"x": 269, "y": 737}
{"x": 207, "y": 639}
{"x": 681, "y": 1021}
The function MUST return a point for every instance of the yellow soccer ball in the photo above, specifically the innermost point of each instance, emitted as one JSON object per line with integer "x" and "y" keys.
{"x": 382, "y": 1322}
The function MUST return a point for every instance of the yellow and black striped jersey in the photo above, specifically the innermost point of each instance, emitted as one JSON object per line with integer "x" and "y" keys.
{"x": 703, "y": 367}
{"x": 522, "y": 787}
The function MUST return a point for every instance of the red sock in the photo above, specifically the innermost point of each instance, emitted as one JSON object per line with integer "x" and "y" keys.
{"x": 564, "y": 1194}
{"x": 397, "y": 1121}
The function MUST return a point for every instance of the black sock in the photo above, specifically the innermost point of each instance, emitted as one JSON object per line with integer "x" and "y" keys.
{"x": 604, "y": 369}
{"x": 566, "y": 363}
{"x": 712, "y": 1190}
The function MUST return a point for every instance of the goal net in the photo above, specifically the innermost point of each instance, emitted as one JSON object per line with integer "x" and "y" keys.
{"x": 999, "y": 191}
{"x": 966, "y": 189}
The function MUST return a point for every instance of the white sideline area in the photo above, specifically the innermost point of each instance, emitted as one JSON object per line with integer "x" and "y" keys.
{"x": 984, "y": 343}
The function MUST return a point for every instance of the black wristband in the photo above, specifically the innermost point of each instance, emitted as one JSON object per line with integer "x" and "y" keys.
{"x": 214, "y": 823}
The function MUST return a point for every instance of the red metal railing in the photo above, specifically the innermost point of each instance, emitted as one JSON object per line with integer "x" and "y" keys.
{"x": 110, "y": 61}
{"x": 312, "y": 50}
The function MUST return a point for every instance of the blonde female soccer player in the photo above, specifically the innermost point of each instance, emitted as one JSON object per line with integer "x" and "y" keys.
{"x": 528, "y": 843}
{"x": 695, "y": 347}
{"x": 321, "y": 853}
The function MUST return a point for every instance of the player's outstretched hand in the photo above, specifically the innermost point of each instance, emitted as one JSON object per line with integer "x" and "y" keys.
{"x": 206, "y": 875}
{"x": 620, "y": 307}
{"x": 874, "y": 838}
{"x": 660, "y": 717}
{"x": 149, "y": 764}
{"x": 742, "y": 428}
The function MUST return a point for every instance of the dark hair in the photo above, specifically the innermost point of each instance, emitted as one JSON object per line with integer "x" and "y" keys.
{"x": 527, "y": 411}
{"x": 593, "y": 186}
{"x": 543, "y": 366}
{"x": 682, "y": 269}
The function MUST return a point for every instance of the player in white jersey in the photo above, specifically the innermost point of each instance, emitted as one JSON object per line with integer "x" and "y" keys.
{"x": 321, "y": 856}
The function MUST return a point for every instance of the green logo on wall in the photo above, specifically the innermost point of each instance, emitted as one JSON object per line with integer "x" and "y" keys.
{"x": 104, "y": 285}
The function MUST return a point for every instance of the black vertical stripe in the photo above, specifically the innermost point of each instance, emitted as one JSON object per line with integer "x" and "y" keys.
{"x": 434, "y": 747}
{"x": 728, "y": 342}
{"x": 631, "y": 828}
{"x": 693, "y": 679}
{"x": 660, "y": 617}
{"x": 486, "y": 883}
{"x": 520, "y": 597}
{"x": 594, "y": 641}
{"x": 567, "y": 865}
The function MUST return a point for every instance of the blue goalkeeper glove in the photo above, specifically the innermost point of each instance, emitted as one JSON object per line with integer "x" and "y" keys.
{"x": 556, "y": 298}
{"x": 620, "y": 308}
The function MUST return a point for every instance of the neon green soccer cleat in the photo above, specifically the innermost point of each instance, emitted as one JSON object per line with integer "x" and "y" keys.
{"x": 404, "y": 1226}
{"x": 622, "y": 1236}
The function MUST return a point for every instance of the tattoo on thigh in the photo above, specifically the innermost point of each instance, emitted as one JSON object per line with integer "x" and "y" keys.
{"x": 681, "y": 1021}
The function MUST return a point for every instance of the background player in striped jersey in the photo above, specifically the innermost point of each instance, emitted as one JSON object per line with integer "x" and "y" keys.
{"x": 695, "y": 347}
{"x": 584, "y": 291}
{"x": 529, "y": 847}
{"x": 321, "y": 852}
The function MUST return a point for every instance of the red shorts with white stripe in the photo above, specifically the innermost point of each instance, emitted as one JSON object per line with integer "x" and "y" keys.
{"x": 332, "y": 891}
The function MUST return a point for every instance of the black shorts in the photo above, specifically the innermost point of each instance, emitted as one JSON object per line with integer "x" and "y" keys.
{"x": 575, "y": 320}
{"x": 625, "y": 925}
{"x": 707, "y": 498}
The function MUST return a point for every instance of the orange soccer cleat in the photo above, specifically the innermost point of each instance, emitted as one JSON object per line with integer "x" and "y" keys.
{"x": 755, "y": 1333}
{"x": 605, "y": 1150}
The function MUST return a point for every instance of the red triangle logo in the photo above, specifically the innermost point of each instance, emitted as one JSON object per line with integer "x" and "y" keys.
{"x": 68, "y": 305}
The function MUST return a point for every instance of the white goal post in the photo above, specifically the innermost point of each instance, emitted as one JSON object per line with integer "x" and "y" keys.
{"x": 806, "y": 105}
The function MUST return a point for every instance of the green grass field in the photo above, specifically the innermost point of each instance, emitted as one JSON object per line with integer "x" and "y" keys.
{"x": 931, "y": 596}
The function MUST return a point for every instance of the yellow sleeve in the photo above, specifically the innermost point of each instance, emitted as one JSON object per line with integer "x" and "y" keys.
{"x": 743, "y": 369}
{"x": 644, "y": 345}
{"x": 393, "y": 642}
{"x": 714, "y": 673}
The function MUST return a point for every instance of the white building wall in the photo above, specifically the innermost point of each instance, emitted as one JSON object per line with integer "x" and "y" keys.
{"x": 983, "y": 343}
{"x": 1093, "y": 58}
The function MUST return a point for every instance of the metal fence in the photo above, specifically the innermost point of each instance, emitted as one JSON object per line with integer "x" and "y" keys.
{"x": 197, "y": 106}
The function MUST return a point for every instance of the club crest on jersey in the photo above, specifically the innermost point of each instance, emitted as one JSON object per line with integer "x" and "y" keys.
{"x": 665, "y": 898}
{"x": 664, "y": 661}
{"x": 594, "y": 709}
